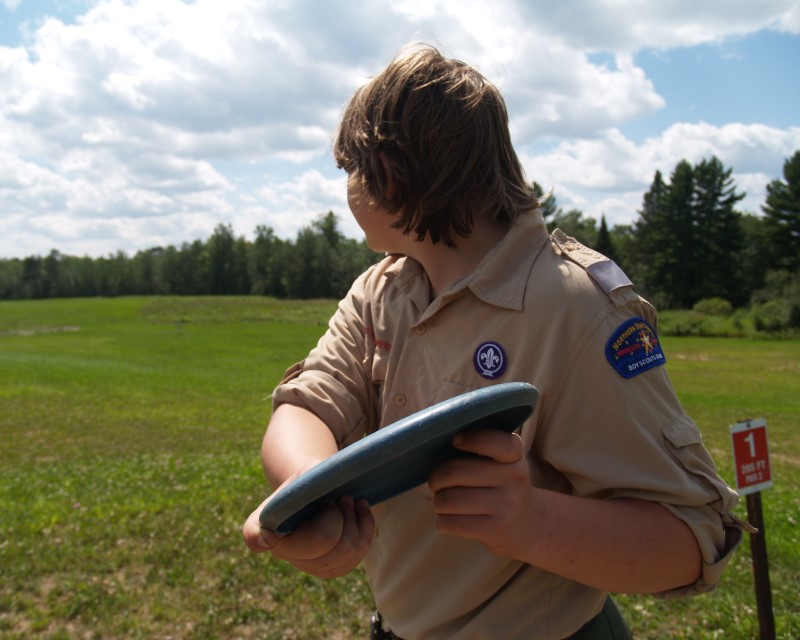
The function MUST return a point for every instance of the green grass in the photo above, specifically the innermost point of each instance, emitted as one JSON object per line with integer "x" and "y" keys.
{"x": 130, "y": 457}
{"x": 721, "y": 381}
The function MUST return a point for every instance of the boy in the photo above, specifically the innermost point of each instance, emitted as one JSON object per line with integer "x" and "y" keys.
{"x": 606, "y": 488}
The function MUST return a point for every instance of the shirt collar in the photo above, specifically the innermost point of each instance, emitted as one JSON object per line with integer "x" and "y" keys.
{"x": 408, "y": 275}
{"x": 501, "y": 277}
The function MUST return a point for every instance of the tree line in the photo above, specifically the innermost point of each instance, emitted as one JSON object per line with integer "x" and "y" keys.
{"x": 320, "y": 263}
{"x": 688, "y": 244}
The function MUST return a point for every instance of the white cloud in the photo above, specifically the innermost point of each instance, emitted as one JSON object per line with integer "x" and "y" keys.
{"x": 609, "y": 175}
{"x": 790, "y": 21}
{"x": 123, "y": 123}
{"x": 286, "y": 206}
{"x": 629, "y": 25}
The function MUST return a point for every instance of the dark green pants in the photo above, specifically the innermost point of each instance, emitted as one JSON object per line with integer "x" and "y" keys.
{"x": 606, "y": 625}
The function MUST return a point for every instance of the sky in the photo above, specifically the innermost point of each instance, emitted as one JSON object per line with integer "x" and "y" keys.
{"x": 127, "y": 125}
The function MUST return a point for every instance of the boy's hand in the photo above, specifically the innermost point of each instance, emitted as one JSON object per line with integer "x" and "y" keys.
{"x": 487, "y": 498}
{"x": 330, "y": 544}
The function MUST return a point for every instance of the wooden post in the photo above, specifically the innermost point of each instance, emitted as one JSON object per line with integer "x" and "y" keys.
{"x": 758, "y": 549}
{"x": 753, "y": 475}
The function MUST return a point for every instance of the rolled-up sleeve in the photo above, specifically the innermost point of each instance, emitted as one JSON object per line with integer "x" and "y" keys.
{"x": 332, "y": 381}
{"x": 618, "y": 437}
{"x": 717, "y": 530}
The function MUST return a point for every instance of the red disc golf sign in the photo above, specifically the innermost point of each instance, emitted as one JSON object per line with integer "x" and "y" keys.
{"x": 751, "y": 456}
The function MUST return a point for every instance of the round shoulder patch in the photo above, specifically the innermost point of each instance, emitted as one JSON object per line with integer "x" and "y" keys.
{"x": 490, "y": 360}
{"x": 634, "y": 348}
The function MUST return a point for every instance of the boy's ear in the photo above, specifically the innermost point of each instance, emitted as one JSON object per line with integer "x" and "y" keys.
{"x": 388, "y": 191}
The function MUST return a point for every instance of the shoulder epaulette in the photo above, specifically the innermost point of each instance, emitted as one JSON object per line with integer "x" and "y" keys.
{"x": 606, "y": 273}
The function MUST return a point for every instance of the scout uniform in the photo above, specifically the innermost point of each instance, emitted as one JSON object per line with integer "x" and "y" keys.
{"x": 540, "y": 309}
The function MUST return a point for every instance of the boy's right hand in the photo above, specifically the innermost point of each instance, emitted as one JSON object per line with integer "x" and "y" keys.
{"x": 328, "y": 545}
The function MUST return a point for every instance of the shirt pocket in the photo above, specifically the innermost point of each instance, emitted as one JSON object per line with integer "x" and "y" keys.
{"x": 377, "y": 364}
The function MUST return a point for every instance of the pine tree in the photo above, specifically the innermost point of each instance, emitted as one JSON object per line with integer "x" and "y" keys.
{"x": 718, "y": 240}
{"x": 782, "y": 216}
{"x": 689, "y": 236}
{"x": 650, "y": 259}
{"x": 604, "y": 243}
{"x": 681, "y": 278}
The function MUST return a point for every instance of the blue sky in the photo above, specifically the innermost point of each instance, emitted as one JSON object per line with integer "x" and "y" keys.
{"x": 126, "y": 125}
{"x": 747, "y": 79}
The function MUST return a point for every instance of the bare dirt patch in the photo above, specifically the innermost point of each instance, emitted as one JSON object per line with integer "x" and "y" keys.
{"x": 35, "y": 331}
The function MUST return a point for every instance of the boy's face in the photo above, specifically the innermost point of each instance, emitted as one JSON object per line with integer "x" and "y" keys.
{"x": 375, "y": 221}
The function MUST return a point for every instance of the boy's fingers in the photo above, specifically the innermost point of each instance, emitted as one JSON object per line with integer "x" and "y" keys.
{"x": 500, "y": 446}
{"x": 357, "y": 535}
{"x": 366, "y": 522}
{"x": 254, "y": 534}
{"x": 312, "y": 539}
{"x": 465, "y": 501}
{"x": 254, "y": 539}
{"x": 359, "y": 525}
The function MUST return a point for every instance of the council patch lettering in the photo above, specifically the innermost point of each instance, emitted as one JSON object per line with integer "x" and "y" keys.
{"x": 634, "y": 348}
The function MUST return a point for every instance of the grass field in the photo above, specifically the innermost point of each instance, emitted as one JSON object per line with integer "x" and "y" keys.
{"x": 130, "y": 457}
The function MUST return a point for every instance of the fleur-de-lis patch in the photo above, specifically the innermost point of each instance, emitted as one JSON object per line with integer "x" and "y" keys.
{"x": 490, "y": 360}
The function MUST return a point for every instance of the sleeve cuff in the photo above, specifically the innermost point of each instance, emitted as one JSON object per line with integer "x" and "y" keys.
{"x": 712, "y": 571}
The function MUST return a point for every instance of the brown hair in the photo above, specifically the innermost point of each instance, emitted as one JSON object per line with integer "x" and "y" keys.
{"x": 441, "y": 129}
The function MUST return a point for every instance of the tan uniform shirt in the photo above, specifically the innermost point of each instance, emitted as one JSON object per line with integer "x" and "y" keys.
{"x": 538, "y": 309}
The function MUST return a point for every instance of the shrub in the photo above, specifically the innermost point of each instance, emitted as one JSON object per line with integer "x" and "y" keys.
{"x": 713, "y": 307}
{"x": 691, "y": 323}
{"x": 773, "y": 315}
{"x": 679, "y": 323}
{"x": 776, "y": 307}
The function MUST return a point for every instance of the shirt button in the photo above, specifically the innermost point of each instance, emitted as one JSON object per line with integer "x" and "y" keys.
{"x": 421, "y": 328}
{"x": 400, "y": 400}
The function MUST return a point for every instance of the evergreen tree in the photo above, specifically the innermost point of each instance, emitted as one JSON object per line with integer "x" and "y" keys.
{"x": 718, "y": 240}
{"x": 689, "y": 237}
{"x": 604, "y": 243}
{"x": 624, "y": 241}
{"x": 754, "y": 257}
{"x": 680, "y": 278}
{"x": 651, "y": 234}
{"x": 782, "y": 217}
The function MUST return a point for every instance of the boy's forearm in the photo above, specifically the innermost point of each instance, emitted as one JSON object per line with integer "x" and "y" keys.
{"x": 295, "y": 440}
{"x": 624, "y": 545}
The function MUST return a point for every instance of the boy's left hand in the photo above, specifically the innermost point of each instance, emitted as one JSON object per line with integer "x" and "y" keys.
{"x": 487, "y": 498}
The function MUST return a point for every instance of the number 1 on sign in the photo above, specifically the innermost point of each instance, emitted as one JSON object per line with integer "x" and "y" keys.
{"x": 751, "y": 440}
{"x": 751, "y": 456}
